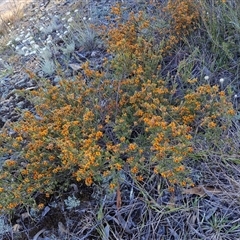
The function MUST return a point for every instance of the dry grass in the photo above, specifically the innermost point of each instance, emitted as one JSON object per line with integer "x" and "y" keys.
{"x": 11, "y": 11}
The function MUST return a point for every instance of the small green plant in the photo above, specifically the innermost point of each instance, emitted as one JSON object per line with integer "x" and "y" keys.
{"x": 48, "y": 66}
{"x": 68, "y": 48}
{"x": 86, "y": 37}
{"x": 46, "y": 57}
{"x": 72, "y": 202}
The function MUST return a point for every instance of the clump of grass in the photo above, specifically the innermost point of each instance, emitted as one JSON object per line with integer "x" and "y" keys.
{"x": 10, "y": 14}
{"x": 221, "y": 22}
{"x": 217, "y": 40}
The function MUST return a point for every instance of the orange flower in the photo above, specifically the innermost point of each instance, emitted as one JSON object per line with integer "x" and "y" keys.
{"x": 116, "y": 9}
{"x": 51, "y": 157}
{"x": 99, "y": 135}
{"x": 9, "y": 163}
{"x": 112, "y": 185}
{"x": 134, "y": 170}
{"x": 177, "y": 159}
{"x": 88, "y": 181}
{"x": 140, "y": 178}
{"x": 212, "y": 124}
{"x": 40, "y": 206}
{"x": 118, "y": 166}
{"x": 11, "y": 205}
{"x": 132, "y": 146}
{"x": 231, "y": 112}
{"x": 180, "y": 168}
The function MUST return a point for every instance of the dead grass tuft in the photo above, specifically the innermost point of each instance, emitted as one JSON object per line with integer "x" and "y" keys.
{"x": 11, "y": 11}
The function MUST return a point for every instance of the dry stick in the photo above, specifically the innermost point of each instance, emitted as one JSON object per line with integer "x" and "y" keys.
{"x": 38, "y": 234}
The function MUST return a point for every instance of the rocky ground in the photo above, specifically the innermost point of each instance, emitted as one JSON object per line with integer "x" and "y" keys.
{"x": 213, "y": 209}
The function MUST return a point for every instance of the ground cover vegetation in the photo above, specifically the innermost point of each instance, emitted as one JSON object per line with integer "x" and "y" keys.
{"x": 152, "y": 131}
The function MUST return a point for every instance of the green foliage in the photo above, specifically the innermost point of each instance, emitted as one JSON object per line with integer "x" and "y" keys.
{"x": 71, "y": 202}
{"x": 220, "y": 20}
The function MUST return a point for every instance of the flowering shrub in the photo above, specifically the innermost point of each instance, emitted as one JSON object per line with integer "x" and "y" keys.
{"x": 100, "y": 123}
{"x": 184, "y": 15}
